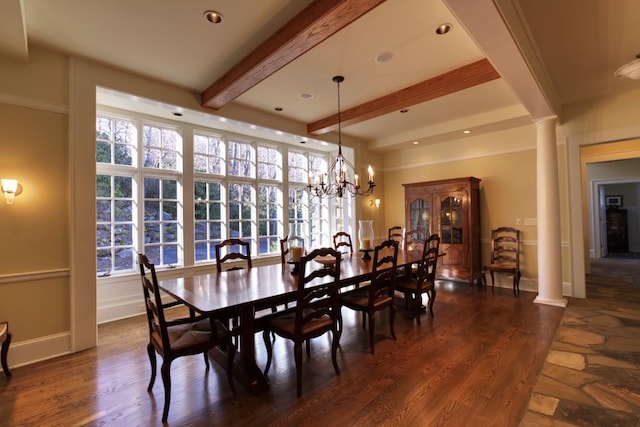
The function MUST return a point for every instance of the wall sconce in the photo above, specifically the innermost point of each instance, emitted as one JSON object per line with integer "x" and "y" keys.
{"x": 11, "y": 188}
{"x": 375, "y": 202}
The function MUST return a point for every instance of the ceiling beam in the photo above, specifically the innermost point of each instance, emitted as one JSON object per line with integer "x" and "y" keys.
{"x": 317, "y": 22}
{"x": 461, "y": 78}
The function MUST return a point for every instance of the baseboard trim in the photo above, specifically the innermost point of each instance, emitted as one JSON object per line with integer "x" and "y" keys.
{"x": 31, "y": 351}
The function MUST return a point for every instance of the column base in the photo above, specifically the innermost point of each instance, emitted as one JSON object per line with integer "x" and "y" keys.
{"x": 561, "y": 302}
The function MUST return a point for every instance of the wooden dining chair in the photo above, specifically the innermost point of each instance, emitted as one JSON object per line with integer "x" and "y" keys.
{"x": 378, "y": 295}
{"x": 505, "y": 256}
{"x": 342, "y": 242}
{"x": 235, "y": 249}
{"x": 5, "y": 339}
{"x": 177, "y": 337}
{"x": 286, "y": 244}
{"x": 317, "y": 310}
{"x": 397, "y": 233}
{"x": 423, "y": 281}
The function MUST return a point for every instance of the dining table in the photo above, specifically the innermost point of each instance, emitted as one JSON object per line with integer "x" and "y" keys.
{"x": 244, "y": 292}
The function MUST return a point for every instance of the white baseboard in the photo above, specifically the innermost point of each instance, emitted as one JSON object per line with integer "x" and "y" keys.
{"x": 32, "y": 351}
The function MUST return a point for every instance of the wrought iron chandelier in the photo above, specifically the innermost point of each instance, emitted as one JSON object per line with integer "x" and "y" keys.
{"x": 337, "y": 181}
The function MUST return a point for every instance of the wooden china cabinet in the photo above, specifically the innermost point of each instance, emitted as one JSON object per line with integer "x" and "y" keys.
{"x": 451, "y": 209}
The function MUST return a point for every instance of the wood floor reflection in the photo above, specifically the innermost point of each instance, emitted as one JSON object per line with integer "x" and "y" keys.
{"x": 475, "y": 363}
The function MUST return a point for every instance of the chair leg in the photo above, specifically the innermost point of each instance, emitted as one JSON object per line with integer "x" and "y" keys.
{"x": 231, "y": 354}
{"x": 432, "y": 299}
{"x": 516, "y": 283}
{"x": 267, "y": 344}
{"x": 297, "y": 353}
{"x": 392, "y": 320}
{"x": 152, "y": 360}
{"x": 4, "y": 352}
{"x": 492, "y": 282}
{"x": 372, "y": 330}
{"x": 165, "y": 370}
{"x": 484, "y": 280}
{"x": 418, "y": 301}
{"x": 335, "y": 343}
{"x": 206, "y": 359}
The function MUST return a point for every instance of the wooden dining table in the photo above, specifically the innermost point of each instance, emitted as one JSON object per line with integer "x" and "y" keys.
{"x": 244, "y": 292}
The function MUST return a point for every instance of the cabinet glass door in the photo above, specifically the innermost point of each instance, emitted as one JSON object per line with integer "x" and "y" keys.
{"x": 420, "y": 216}
{"x": 451, "y": 220}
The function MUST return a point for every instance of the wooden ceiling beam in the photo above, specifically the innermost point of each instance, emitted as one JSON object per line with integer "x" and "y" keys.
{"x": 317, "y": 22}
{"x": 461, "y": 78}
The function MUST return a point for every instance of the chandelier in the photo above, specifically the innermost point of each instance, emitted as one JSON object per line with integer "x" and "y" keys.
{"x": 336, "y": 182}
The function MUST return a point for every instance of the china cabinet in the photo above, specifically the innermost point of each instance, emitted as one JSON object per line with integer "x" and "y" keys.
{"x": 451, "y": 209}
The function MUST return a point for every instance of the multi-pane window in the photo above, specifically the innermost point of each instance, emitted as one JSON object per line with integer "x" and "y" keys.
{"x": 115, "y": 226}
{"x": 241, "y": 210}
{"x": 241, "y": 159}
{"x": 269, "y": 163}
{"x": 115, "y": 141}
{"x": 269, "y": 222}
{"x": 162, "y": 147}
{"x": 239, "y": 189}
{"x": 209, "y": 214}
{"x": 208, "y": 154}
{"x": 161, "y": 220}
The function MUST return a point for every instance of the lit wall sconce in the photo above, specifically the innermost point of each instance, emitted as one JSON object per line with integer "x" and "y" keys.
{"x": 11, "y": 188}
{"x": 375, "y": 202}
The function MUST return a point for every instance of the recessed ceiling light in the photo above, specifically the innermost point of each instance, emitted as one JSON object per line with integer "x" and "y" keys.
{"x": 416, "y": 142}
{"x": 306, "y": 95}
{"x": 278, "y": 108}
{"x": 213, "y": 16}
{"x": 404, "y": 110}
{"x": 466, "y": 131}
{"x": 443, "y": 28}
{"x": 384, "y": 57}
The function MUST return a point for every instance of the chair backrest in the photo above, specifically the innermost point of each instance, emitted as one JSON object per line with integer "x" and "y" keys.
{"x": 153, "y": 302}
{"x": 235, "y": 249}
{"x": 320, "y": 298}
{"x": 426, "y": 273}
{"x": 415, "y": 240}
{"x": 342, "y": 241}
{"x": 397, "y": 233}
{"x": 433, "y": 241}
{"x": 286, "y": 244}
{"x": 505, "y": 246}
{"x": 383, "y": 270}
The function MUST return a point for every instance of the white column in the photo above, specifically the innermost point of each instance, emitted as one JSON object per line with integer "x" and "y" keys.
{"x": 549, "y": 248}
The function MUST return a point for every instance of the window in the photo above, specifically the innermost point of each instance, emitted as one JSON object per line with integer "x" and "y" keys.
{"x": 115, "y": 228}
{"x": 239, "y": 188}
{"x": 209, "y": 212}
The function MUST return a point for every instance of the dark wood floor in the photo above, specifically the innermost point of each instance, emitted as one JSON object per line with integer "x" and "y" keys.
{"x": 474, "y": 364}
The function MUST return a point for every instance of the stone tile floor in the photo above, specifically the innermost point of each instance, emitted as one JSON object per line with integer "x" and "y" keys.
{"x": 591, "y": 376}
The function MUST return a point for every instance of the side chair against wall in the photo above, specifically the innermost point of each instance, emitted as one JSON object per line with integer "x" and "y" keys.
{"x": 317, "y": 310}
{"x": 505, "y": 256}
{"x": 177, "y": 337}
{"x": 235, "y": 249}
{"x": 378, "y": 295}
{"x": 5, "y": 339}
{"x": 424, "y": 280}
{"x": 342, "y": 242}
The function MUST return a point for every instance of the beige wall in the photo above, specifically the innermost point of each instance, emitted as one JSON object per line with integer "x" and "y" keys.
{"x": 34, "y": 231}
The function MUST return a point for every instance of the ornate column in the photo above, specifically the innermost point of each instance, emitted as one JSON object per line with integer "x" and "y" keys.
{"x": 548, "y": 200}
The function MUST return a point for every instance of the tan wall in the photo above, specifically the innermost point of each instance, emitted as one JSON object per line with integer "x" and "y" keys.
{"x": 34, "y": 231}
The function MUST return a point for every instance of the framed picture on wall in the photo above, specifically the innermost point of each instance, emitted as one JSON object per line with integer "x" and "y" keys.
{"x": 613, "y": 201}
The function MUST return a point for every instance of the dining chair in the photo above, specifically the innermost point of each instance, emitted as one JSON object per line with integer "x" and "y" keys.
{"x": 423, "y": 282}
{"x": 378, "y": 295}
{"x": 397, "y": 233}
{"x": 235, "y": 249}
{"x": 316, "y": 313}
{"x": 177, "y": 337}
{"x": 5, "y": 339}
{"x": 505, "y": 256}
{"x": 342, "y": 242}
{"x": 286, "y": 244}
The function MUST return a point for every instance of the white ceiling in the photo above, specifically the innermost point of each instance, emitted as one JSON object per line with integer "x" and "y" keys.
{"x": 572, "y": 46}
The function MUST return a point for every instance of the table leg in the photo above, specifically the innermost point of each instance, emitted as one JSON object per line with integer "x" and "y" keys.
{"x": 245, "y": 369}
